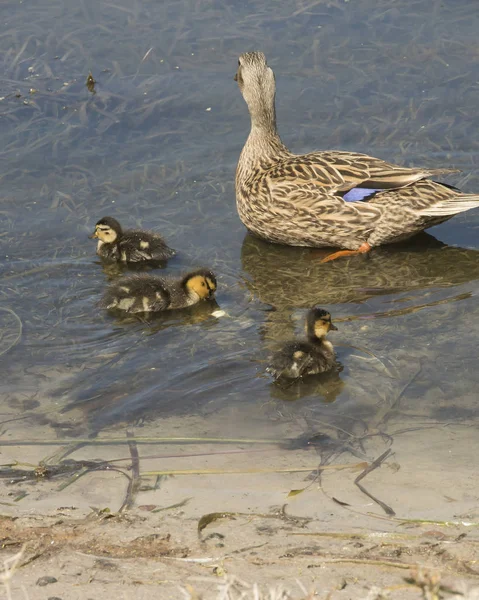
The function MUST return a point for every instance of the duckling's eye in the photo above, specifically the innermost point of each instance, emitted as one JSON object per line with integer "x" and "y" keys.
{"x": 239, "y": 64}
{"x": 203, "y": 284}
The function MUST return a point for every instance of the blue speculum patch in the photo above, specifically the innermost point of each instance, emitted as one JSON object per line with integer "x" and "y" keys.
{"x": 359, "y": 194}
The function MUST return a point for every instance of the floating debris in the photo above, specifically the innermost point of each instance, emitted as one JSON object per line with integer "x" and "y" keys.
{"x": 90, "y": 83}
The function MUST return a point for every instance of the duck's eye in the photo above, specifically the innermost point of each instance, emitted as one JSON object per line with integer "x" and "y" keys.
{"x": 203, "y": 284}
{"x": 239, "y": 64}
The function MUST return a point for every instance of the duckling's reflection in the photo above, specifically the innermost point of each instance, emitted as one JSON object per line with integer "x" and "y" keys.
{"x": 326, "y": 386}
{"x": 114, "y": 270}
{"x": 158, "y": 321}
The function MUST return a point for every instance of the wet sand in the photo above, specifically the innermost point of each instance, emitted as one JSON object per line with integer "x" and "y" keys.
{"x": 100, "y": 535}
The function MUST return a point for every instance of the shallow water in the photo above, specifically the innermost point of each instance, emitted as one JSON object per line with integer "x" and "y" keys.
{"x": 156, "y": 146}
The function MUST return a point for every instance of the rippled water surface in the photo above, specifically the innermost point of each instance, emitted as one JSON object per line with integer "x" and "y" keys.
{"x": 156, "y": 146}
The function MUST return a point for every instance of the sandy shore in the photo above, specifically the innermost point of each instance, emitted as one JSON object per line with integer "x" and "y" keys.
{"x": 118, "y": 526}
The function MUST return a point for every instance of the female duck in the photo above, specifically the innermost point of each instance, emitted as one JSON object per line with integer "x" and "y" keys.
{"x": 129, "y": 245}
{"x": 315, "y": 355}
{"x": 151, "y": 293}
{"x": 341, "y": 199}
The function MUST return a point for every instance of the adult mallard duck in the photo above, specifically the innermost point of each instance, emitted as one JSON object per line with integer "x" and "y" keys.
{"x": 341, "y": 199}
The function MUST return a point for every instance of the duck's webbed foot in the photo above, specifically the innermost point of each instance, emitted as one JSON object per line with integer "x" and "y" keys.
{"x": 363, "y": 248}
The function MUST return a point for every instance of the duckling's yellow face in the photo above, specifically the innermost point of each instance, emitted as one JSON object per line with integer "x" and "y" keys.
{"x": 104, "y": 233}
{"x": 202, "y": 285}
{"x": 322, "y": 326}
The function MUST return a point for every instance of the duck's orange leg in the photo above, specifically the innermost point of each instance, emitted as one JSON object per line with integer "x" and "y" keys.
{"x": 363, "y": 248}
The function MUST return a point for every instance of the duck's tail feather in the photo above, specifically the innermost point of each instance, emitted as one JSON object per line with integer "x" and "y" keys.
{"x": 452, "y": 206}
{"x": 434, "y": 172}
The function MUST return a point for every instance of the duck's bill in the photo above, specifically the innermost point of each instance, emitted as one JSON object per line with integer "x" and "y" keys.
{"x": 333, "y": 327}
{"x": 93, "y": 235}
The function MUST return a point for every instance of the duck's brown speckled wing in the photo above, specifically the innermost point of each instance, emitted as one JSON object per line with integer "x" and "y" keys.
{"x": 306, "y": 192}
{"x": 304, "y": 199}
{"x": 361, "y": 170}
{"x": 333, "y": 172}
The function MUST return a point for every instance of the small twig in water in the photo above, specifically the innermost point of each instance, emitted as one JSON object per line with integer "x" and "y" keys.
{"x": 135, "y": 481}
{"x": 20, "y": 329}
{"x": 10, "y": 566}
{"x": 374, "y": 465}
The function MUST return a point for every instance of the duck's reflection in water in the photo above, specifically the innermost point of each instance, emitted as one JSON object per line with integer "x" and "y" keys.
{"x": 287, "y": 278}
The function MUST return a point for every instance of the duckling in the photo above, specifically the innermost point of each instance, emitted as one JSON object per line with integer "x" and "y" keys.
{"x": 310, "y": 357}
{"x": 129, "y": 245}
{"x": 151, "y": 293}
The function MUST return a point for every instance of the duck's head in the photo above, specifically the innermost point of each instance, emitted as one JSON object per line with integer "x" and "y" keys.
{"x": 201, "y": 282}
{"x": 318, "y": 323}
{"x": 107, "y": 230}
{"x": 256, "y": 82}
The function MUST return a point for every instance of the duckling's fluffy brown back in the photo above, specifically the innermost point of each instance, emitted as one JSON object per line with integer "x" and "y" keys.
{"x": 297, "y": 359}
{"x": 137, "y": 245}
{"x": 153, "y": 293}
{"x": 138, "y": 293}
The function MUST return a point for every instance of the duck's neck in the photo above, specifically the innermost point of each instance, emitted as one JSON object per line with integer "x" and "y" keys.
{"x": 263, "y": 145}
{"x": 316, "y": 339}
{"x": 321, "y": 343}
{"x": 263, "y": 116}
